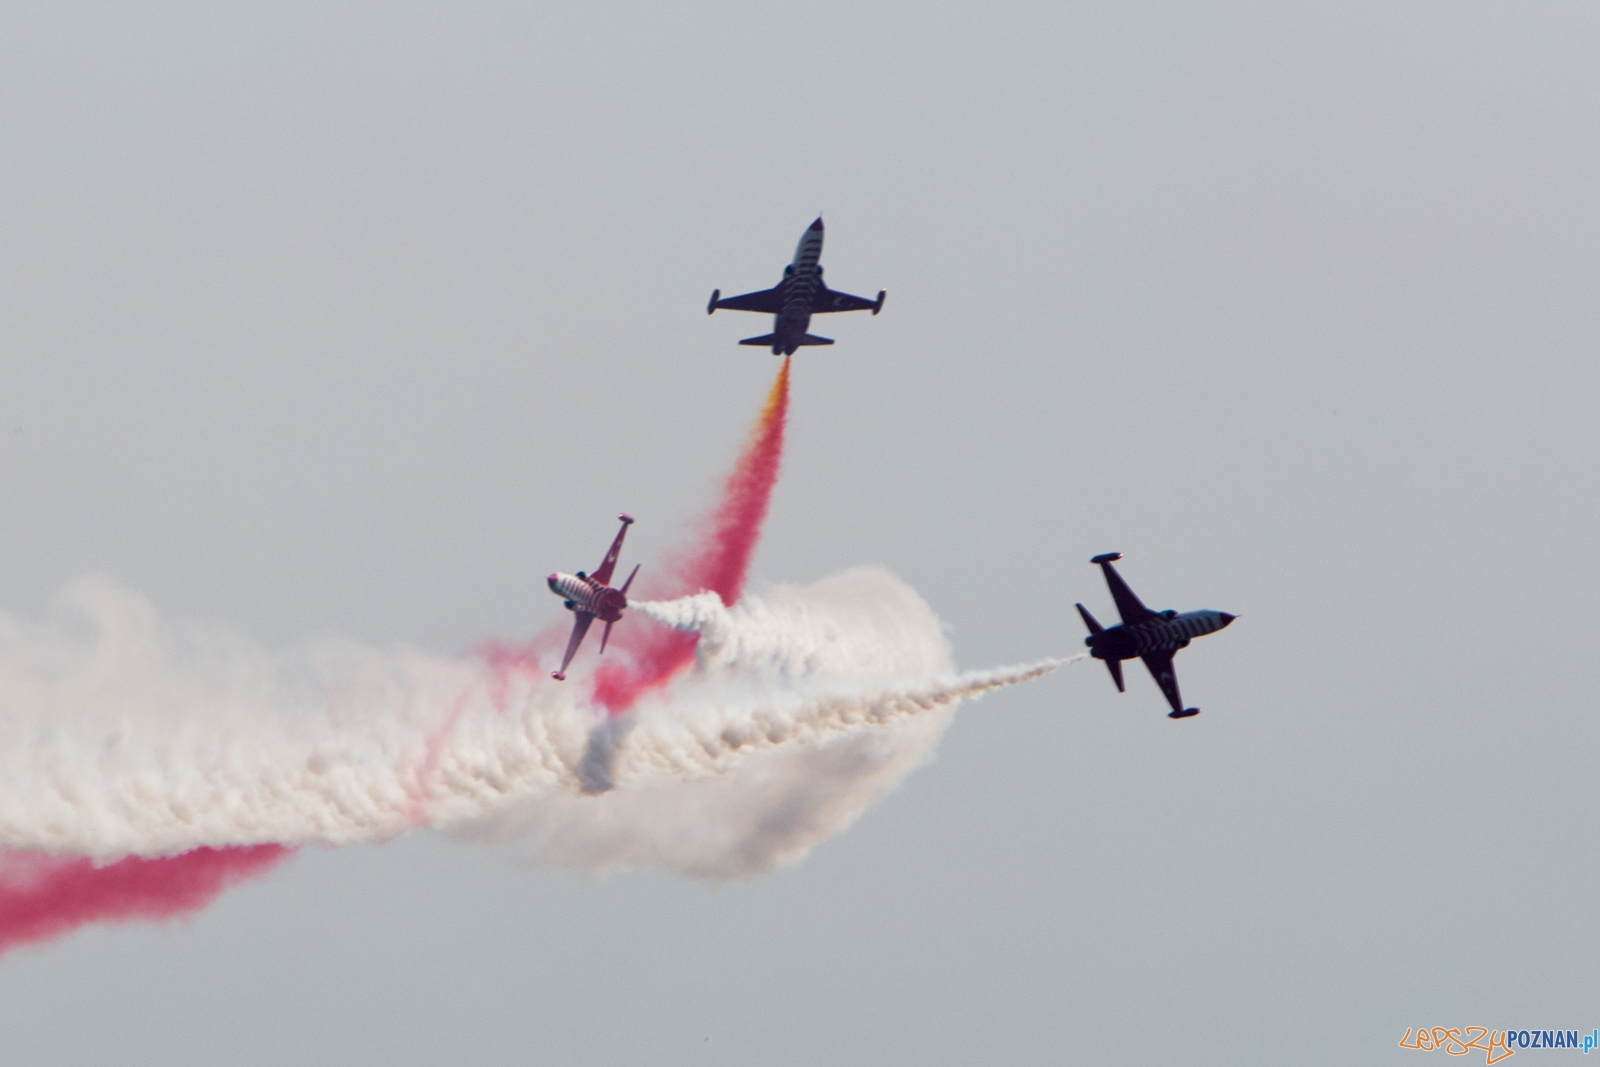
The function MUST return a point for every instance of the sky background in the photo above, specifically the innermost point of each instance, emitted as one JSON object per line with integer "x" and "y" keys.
{"x": 364, "y": 317}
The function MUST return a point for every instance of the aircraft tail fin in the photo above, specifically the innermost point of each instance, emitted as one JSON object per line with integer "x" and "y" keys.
{"x": 1112, "y": 665}
{"x": 764, "y": 340}
{"x": 813, "y": 339}
{"x": 1089, "y": 620}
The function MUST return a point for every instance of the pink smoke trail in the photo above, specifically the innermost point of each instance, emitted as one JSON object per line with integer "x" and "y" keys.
{"x": 43, "y": 897}
{"x": 654, "y": 654}
{"x": 642, "y": 658}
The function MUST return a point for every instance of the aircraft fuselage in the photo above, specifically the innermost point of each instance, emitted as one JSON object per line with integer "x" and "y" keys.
{"x": 1168, "y": 632}
{"x": 801, "y": 280}
{"x": 581, "y": 593}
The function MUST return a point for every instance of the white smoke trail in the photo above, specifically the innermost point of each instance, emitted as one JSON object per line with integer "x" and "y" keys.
{"x": 123, "y": 734}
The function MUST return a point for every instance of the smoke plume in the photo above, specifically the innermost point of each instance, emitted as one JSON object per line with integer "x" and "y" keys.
{"x": 147, "y": 764}
{"x": 127, "y": 735}
{"x": 648, "y": 656}
{"x": 42, "y": 897}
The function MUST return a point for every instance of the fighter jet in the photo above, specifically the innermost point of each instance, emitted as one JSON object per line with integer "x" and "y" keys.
{"x": 798, "y": 296}
{"x": 1153, "y": 636}
{"x": 589, "y": 597}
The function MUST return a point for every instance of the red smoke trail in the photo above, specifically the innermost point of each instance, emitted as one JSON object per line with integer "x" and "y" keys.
{"x": 640, "y": 658}
{"x": 42, "y": 897}
{"x": 655, "y": 653}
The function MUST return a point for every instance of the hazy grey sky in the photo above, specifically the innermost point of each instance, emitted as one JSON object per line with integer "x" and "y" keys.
{"x": 365, "y": 317}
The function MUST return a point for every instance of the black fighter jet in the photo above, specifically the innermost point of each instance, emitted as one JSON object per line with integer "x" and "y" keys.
{"x": 1152, "y": 636}
{"x": 800, "y": 295}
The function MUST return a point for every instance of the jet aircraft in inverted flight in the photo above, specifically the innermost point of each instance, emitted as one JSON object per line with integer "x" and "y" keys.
{"x": 799, "y": 295}
{"x": 588, "y": 597}
{"x": 1153, "y": 636}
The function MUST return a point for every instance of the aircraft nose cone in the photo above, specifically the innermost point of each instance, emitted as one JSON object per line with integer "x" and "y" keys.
{"x": 1226, "y": 618}
{"x": 818, "y": 224}
{"x": 551, "y": 581}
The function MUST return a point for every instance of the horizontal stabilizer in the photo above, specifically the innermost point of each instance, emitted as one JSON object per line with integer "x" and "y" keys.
{"x": 1089, "y": 620}
{"x": 1115, "y": 667}
{"x": 764, "y": 340}
{"x": 813, "y": 339}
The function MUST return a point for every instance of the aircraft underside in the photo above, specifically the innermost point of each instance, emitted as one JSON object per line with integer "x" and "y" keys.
{"x": 800, "y": 294}
{"x": 1151, "y": 636}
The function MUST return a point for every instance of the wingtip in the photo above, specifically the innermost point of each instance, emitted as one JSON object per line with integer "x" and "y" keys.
{"x": 625, "y": 519}
{"x": 558, "y": 676}
{"x": 1106, "y": 557}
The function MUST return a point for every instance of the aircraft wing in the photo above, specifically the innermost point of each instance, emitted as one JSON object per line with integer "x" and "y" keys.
{"x": 1129, "y": 606}
{"x": 833, "y": 300}
{"x": 580, "y": 626}
{"x": 767, "y": 301}
{"x": 602, "y": 573}
{"x": 1160, "y": 665}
